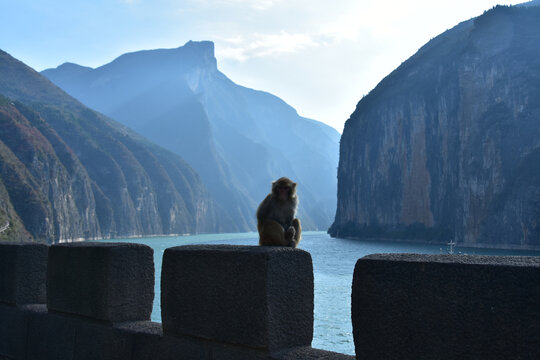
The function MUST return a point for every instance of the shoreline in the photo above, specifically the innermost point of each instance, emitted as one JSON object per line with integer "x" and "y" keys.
{"x": 463, "y": 246}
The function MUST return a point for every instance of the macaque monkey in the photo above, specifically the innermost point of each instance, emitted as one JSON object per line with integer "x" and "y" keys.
{"x": 276, "y": 220}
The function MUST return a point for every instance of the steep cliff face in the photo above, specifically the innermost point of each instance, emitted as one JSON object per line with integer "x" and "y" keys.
{"x": 236, "y": 138}
{"x": 70, "y": 173}
{"x": 448, "y": 145}
{"x": 43, "y": 178}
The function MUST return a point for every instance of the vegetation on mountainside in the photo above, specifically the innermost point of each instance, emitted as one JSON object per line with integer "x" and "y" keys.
{"x": 71, "y": 173}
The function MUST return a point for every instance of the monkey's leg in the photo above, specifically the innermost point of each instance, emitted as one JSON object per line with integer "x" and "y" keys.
{"x": 298, "y": 231}
{"x": 271, "y": 233}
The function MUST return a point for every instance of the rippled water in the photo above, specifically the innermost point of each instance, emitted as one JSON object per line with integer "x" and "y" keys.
{"x": 333, "y": 265}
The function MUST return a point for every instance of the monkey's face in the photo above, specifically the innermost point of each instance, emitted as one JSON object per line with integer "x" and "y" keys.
{"x": 283, "y": 189}
{"x": 284, "y": 193}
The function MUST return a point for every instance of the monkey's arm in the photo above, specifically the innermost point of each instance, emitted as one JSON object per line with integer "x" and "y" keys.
{"x": 264, "y": 208}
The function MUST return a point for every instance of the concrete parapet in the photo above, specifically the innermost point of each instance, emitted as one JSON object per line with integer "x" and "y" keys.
{"x": 22, "y": 273}
{"x": 243, "y": 302}
{"x": 259, "y": 297}
{"x": 112, "y": 282}
{"x": 446, "y": 307}
{"x": 89, "y": 285}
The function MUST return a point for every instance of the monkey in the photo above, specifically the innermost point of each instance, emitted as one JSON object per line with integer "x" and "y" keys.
{"x": 276, "y": 220}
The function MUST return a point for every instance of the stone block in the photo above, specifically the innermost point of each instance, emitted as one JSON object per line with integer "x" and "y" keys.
{"x": 56, "y": 336}
{"x": 407, "y": 306}
{"x": 13, "y": 323}
{"x": 230, "y": 352}
{"x": 23, "y": 268}
{"x": 150, "y": 344}
{"x": 51, "y": 337}
{"x": 308, "y": 353}
{"x": 101, "y": 341}
{"x": 112, "y": 282}
{"x": 260, "y": 297}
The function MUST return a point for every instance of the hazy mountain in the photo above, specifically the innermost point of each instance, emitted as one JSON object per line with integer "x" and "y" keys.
{"x": 68, "y": 172}
{"x": 448, "y": 145}
{"x": 236, "y": 138}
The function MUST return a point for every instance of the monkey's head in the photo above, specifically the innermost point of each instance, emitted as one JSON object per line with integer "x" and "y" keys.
{"x": 284, "y": 189}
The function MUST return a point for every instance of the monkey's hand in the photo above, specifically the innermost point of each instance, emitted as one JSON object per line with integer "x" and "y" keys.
{"x": 289, "y": 236}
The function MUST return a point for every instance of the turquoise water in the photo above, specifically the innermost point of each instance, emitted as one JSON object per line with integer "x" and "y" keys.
{"x": 333, "y": 265}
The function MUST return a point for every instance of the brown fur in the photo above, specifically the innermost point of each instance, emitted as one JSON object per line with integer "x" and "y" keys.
{"x": 276, "y": 220}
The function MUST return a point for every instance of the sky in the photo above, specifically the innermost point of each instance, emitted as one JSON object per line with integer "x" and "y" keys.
{"x": 320, "y": 56}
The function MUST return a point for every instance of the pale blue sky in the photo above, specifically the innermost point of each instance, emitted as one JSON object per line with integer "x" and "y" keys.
{"x": 320, "y": 56}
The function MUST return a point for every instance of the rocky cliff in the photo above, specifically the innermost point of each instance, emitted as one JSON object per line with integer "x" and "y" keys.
{"x": 236, "y": 138}
{"x": 67, "y": 172}
{"x": 448, "y": 145}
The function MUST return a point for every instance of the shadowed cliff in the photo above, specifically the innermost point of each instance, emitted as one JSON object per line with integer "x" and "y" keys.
{"x": 448, "y": 145}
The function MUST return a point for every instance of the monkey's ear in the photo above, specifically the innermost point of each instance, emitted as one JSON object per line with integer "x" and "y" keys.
{"x": 294, "y": 185}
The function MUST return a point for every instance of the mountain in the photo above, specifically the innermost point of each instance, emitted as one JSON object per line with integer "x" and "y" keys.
{"x": 237, "y": 139}
{"x": 68, "y": 172}
{"x": 448, "y": 145}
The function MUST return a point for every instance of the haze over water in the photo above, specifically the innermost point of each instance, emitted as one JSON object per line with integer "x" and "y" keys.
{"x": 333, "y": 266}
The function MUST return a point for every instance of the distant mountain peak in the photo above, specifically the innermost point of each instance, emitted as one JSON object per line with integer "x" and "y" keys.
{"x": 203, "y": 50}
{"x": 193, "y": 54}
{"x": 70, "y": 69}
{"x": 70, "y": 65}
{"x": 204, "y": 46}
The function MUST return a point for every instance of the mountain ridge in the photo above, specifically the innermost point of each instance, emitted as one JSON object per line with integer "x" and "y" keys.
{"x": 238, "y": 139}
